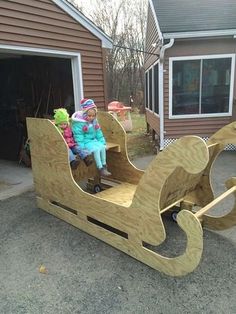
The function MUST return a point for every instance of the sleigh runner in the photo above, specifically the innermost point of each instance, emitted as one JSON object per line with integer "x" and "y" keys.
{"x": 127, "y": 212}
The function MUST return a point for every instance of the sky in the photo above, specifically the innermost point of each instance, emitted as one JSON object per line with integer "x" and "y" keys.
{"x": 108, "y": 14}
{"x": 87, "y": 5}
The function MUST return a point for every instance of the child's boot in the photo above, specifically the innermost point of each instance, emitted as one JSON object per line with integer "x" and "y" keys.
{"x": 88, "y": 160}
{"x": 104, "y": 172}
{"x": 74, "y": 164}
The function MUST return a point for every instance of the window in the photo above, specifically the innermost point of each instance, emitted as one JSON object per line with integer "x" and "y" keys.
{"x": 156, "y": 88}
{"x": 146, "y": 89}
{"x": 201, "y": 86}
{"x": 152, "y": 88}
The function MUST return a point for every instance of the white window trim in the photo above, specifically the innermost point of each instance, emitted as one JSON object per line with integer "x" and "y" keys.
{"x": 75, "y": 65}
{"x": 148, "y": 94}
{"x": 147, "y": 90}
{"x": 152, "y": 105}
{"x": 151, "y": 108}
{"x": 158, "y": 64}
{"x": 206, "y": 115}
{"x": 150, "y": 97}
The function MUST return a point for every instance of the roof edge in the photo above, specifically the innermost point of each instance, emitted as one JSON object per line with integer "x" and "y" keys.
{"x": 82, "y": 19}
{"x": 197, "y": 34}
{"x": 156, "y": 20}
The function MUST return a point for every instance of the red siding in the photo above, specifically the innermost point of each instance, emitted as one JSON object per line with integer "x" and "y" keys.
{"x": 43, "y": 24}
{"x": 153, "y": 121}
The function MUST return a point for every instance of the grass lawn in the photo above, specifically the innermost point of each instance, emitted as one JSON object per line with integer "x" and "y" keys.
{"x": 138, "y": 142}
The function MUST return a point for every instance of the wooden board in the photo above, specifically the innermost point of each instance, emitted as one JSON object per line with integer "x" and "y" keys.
{"x": 120, "y": 194}
{"x": 113, "y": 146}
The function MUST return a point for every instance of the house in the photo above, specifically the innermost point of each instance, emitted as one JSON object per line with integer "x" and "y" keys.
{"x": 189, "y": 67}
{"x": 51, "y": 55}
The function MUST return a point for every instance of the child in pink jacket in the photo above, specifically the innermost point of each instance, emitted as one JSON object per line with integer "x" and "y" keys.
{"x": 61, "y": 117}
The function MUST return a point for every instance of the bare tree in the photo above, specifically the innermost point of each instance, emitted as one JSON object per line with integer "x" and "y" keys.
{"x": 124, "y": 21}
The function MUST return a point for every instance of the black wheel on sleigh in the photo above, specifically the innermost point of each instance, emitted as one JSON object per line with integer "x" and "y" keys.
{"x": 97, "y": 188}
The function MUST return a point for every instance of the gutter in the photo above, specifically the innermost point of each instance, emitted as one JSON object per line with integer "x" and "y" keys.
{"x": 199, "y": 34}
{"x": 161, "y": 89}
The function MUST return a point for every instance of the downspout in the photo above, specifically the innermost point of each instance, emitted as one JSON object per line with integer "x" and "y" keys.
{"x": 161, "y": 89}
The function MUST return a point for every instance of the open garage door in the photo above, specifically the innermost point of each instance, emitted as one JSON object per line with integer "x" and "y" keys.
{"x": 31, "y": 86}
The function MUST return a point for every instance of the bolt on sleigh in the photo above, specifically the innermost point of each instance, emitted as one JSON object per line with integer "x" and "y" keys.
{"x": 127, "y": 212}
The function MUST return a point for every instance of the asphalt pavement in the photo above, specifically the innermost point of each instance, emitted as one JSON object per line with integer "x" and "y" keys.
{"x": 81, "y": 274}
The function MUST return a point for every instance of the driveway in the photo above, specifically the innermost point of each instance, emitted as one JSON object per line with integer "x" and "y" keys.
{"x": 85, "y": 275}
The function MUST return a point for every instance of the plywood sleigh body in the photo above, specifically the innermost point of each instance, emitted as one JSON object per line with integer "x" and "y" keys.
{"x": 129, "y": 214}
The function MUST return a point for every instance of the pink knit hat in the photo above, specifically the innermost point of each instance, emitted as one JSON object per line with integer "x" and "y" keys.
{"x": 87, "y": 104}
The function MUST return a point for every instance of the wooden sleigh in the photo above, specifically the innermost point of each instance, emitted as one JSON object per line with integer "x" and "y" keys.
{"x": 127, "y": 214}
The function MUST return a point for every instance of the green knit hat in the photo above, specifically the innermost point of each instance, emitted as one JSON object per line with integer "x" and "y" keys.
{"x": 61, "y": 115}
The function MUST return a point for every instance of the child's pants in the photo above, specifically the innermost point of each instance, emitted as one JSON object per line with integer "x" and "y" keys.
{"x": 100, "y": 157}
{"x": 75, "y": 150}
{"x": 99, "y": 151}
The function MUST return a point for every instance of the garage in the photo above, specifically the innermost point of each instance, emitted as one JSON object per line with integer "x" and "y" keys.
{"x": 30, "y": 86}
{"x": 51, "y": 56}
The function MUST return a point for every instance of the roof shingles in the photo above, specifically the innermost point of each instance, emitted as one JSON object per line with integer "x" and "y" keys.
{"x": 195, "y": 15}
